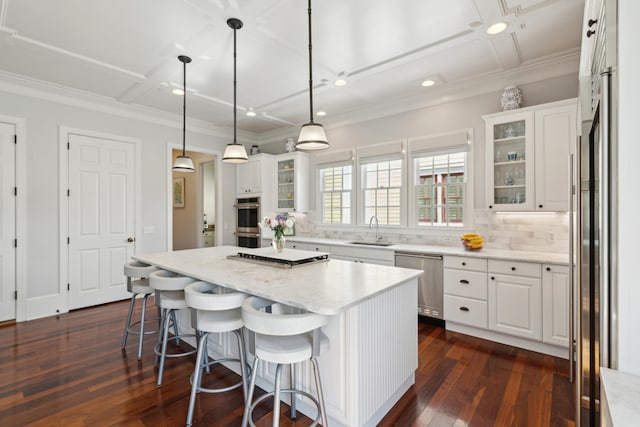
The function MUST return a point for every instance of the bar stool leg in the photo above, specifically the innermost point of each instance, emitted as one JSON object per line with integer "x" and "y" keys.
{"x": 276, "y": 396}
{"x": 142, "y": 317}
{"x": 243, "y": 363}
{"x": 165, "y": 338}
{"x": 252, "y": 384}
{"x": 125, "y": 334}
{"x": 174, "y": 322}
{"x": 294, "y": 413}
{"x": 164, "y": 317}
{"x": 197, "y": 376}
{"x": 316, "y": 372}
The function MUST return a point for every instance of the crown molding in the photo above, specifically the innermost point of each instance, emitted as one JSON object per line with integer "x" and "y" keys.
{"x": 32, "y": 88}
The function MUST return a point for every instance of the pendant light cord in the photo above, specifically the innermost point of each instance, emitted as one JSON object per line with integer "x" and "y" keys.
{"x": 234, "y": 86}
{"x": 184, "y": 106}
{"x": 310, "y": 71}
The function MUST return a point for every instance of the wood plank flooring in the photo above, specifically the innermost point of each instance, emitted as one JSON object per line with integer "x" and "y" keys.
{"x": 69, "y": 370}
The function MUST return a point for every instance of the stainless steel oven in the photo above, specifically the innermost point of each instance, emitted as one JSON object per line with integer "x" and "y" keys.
{"x": 247, "y": 219}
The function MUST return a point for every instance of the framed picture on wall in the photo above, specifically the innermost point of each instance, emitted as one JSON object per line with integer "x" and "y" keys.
{"x": 178, "y": 192}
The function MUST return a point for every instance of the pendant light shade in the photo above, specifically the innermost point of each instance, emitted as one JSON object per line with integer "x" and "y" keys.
{"x": 234, "y": 152}
{"x": 312, "y": 136}
{"x": 184, "y": 163}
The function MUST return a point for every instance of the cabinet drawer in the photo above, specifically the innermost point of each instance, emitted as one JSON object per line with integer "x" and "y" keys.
{"x": 470, "y": 284}
{"x": 516, "y": 268}
{"x": 296, "y": 245}
{"x": 351, "y": 252}
{"x": 465, "y": 263}
{"x": 318, "y": 247}
{"x": 465, "y": 310}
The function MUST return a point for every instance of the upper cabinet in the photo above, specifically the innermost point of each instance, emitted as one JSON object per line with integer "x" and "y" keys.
{"x": 528, "y": 157}
{"x": 293, "y": 182}
{"x": 255, "y": 175}
{"x": 510, "y": 161}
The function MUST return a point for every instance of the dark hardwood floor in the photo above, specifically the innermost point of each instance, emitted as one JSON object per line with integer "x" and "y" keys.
{"x": 69, "y": 370}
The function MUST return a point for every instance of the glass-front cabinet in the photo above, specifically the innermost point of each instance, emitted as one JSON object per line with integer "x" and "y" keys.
{"x": 292, "y": 175}
{"x": 510, "y": 152}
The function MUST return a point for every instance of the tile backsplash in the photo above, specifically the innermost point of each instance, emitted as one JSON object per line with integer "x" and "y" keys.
{"x": 538, "y": 232}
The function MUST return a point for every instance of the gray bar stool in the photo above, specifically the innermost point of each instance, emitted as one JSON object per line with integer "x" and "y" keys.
{"x": 169, "y": 287}
{"x": 138, "y": 284}
{"x": 217, "y": 311}
{"x": 283, "y": 335}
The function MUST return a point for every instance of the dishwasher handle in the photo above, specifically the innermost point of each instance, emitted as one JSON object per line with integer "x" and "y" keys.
{"x": 419, "y": 255}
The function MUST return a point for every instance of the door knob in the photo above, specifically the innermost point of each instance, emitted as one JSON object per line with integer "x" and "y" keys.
{"x": 131, "y": 239}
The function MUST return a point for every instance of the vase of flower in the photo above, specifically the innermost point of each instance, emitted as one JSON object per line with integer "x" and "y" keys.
{"x": 278, "y": 243}
{"x": 281, "y": 224}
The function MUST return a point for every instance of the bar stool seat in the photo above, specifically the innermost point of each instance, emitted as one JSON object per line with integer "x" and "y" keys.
{"x": 169, "y": 288}
{"x": 138, "y": 284}
{"x": 283, "y": 335}
{"x": 217, "y": 311}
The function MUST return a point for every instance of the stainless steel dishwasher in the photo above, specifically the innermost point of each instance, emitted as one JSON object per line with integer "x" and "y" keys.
{"x": 430, "y": 285}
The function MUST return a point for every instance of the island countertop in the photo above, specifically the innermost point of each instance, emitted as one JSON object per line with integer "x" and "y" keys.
{"x": 324, "y": 287}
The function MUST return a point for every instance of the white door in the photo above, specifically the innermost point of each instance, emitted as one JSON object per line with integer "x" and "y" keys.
{"x": 101, "y": 219}
{"x": 7, "y": 222}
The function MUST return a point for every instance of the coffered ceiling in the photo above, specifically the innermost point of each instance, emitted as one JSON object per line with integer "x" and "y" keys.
{"x": 126, "y": 50}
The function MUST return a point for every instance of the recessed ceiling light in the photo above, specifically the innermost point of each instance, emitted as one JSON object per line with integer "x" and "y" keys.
{"x": 497, "y": 28}
{"x": 428, "y": 83}
{"x": 179, "y": 46}
{"x": 251, "y": 113}
{"x": 177, "y": 91}
{"x": 204, "y": 57}
{"x": 321, "y": 113}
{"x": 340, "y": 82}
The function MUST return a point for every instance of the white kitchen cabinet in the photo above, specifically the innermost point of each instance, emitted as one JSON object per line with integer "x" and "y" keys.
{"x": 292, "y": 182}
{"x": 465, "y": 290}
{"x": 510, "y": 156}
{"x": 556, "y": 297}
{"x": 515, "y": 298}
{"x": 255, "y": 175}
{"x": 296, "y": 245}
{"x": 555, "y": 132}
{"x": 208, "y": 238}
{"x": 527, "y": 157}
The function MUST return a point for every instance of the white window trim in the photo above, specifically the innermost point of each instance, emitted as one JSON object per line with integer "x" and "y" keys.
{"x": 468, "y": 206}
{"x": 318, "y": 185}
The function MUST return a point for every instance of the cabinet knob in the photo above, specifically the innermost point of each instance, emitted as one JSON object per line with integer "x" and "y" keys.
{"x": 540, "y": 206}
{"x": 493, "y": 278}
{"x": 548, "y": 268}
{"x": 590, "y": 33}
{"x": 464, "y": 263}
{"x": 592, "y": 22}
{"x": 513, "y": 269}
{"x": 490, "y": 206}
{"x": 464, "y": 308}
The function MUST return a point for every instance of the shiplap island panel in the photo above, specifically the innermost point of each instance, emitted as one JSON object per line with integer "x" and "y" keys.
{"x": 372, "y": 329}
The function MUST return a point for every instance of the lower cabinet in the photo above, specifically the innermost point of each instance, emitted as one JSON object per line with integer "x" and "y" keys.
{"x": 556, "y": 297}
{"x": 515, "y": 305}
{"x": 364, "y": 255}
{"x": 525, "y": 304}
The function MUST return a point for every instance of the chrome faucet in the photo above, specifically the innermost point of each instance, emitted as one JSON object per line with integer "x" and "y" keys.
{"x": 378, "y": 236}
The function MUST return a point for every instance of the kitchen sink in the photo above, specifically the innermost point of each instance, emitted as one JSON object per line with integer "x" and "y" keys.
{"x": 371, "y": 243}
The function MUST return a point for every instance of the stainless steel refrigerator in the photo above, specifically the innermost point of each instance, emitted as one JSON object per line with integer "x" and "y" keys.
{"x": 596, "y": 342}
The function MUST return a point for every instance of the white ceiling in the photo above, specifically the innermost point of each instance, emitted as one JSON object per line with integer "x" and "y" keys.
{"x": 126, "y": 50}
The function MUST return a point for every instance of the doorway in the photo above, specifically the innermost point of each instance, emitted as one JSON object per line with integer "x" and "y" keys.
{"x": 194, "y": 202}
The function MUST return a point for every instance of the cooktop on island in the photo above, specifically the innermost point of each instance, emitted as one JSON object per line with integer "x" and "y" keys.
{"x": 288, "y": 258}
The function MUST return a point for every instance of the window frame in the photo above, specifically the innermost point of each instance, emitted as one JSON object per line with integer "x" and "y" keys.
{"x": 362, "y": 162}
{"x": 353, "y": 194}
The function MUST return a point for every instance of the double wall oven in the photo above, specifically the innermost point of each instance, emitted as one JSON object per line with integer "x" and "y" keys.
{"x": 247, "y": 219}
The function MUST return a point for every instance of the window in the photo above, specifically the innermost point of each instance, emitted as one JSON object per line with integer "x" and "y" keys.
{"x": 381, "y": 187}
{"x": 335, "y": 193}
{"x": 439, "y": 189}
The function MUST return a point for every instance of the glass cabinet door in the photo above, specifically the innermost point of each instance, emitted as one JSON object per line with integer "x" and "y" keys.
{"x": 510, "y": 150}
{"x": 286, "y": 184}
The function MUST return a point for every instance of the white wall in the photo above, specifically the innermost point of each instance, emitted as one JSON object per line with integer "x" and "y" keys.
{"x": 43, "y": 119}
{"x": 628, "y": 178}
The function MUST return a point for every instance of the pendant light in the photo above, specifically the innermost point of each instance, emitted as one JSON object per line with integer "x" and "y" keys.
{"x": 234, "y": 152}
{"x": 312, "y": 136}
{"x": 184, "y": 163}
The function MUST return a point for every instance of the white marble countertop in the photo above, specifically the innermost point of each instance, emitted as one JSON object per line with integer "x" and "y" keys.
{"x": 540, "y": 257}
{"x": 622, "y": 396}
{"x": 324, "y": 287}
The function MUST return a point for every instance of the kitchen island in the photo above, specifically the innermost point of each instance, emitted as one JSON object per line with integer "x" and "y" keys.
{"x": 372, "y": 329}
